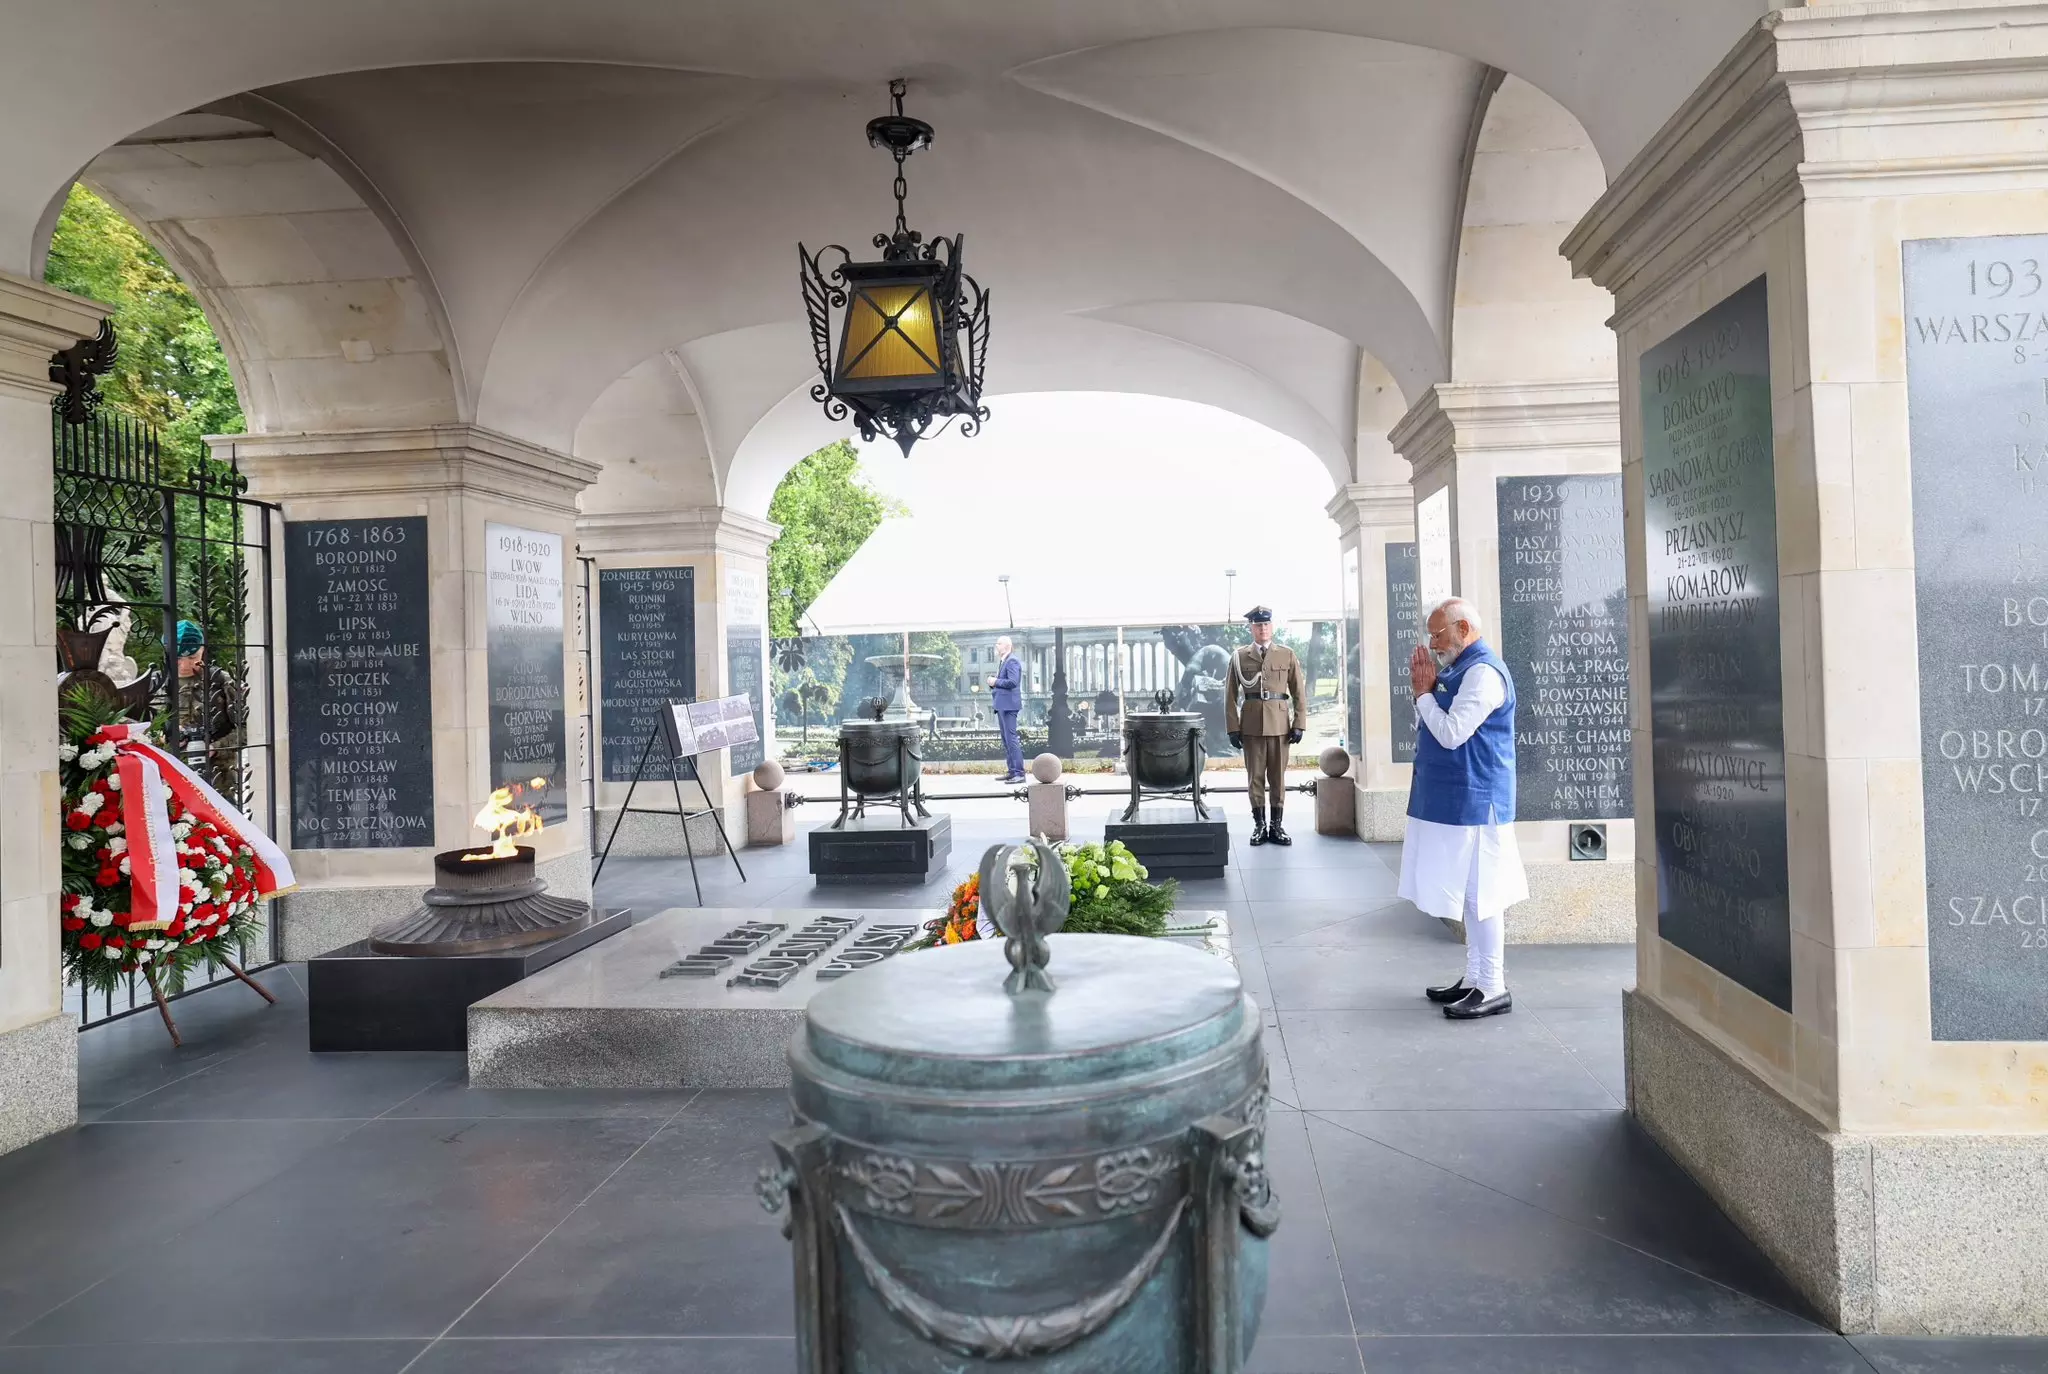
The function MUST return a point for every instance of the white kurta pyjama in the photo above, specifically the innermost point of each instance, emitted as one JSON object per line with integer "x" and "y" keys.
{"x": 1461, "y": 872}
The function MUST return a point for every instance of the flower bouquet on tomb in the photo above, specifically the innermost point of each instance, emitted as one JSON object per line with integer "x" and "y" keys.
{"x": 1110, "y": 895}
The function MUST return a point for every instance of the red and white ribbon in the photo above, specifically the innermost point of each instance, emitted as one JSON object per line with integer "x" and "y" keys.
{"x": 150, "y": 777}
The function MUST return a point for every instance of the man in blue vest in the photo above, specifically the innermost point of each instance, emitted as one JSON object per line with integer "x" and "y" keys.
{"x": 1459, "y": 860}
{"x": 1006, "y": 695}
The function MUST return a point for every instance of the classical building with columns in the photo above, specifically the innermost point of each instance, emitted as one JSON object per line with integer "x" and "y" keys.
{"x": 1698, "y": 344}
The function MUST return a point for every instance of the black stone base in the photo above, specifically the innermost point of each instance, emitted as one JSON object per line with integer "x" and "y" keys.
{"x": 1172, "y": 843}
{"x": 879, "y": 848}
{"x": 359, "y": 1000}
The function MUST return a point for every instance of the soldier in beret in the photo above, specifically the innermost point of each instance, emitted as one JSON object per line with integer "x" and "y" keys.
{"x": 1265, "y": 707}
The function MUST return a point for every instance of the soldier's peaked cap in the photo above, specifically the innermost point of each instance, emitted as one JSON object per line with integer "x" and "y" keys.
{"x": 1259, "y": 615}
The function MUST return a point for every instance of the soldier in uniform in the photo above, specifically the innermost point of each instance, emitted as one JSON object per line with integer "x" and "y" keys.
{"x": 1264, "y": 679}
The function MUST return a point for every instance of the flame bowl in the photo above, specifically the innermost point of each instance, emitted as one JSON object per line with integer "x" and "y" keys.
{"x": 481, "y": 906}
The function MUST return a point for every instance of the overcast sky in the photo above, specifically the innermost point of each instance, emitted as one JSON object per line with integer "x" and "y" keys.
{"x": 1104, "y": 509}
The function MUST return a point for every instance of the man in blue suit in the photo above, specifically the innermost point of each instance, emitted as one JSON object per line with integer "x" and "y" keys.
{"x": 1006, "y": 695}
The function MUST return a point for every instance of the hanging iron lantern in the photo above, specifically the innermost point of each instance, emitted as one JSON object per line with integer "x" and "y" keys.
{"x": 911, "y": 330}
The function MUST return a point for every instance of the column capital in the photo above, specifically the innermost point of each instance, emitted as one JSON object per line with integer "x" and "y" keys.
{"x": 424, "y": 460}
{"x": 35, "y": 321}
{"x": 1906, "y": 97}
{"x": 1472, "y": 417}
{"x": 690, "y": 530}
{"x": 1375, "y": 505}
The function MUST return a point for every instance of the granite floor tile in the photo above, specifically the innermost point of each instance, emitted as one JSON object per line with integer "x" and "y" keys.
{"x": 1597, "y": 1169}
{"x": 716, "y": 1145}
{"x": 1349, "y": 923}
{"x": 453, "y": 1098}
{"x": 63, "y": 1229}
{"x": 1955, "y": 1354}
{"x": 578, "y": 1355}
{"x": 1416, "y": 1059}
{"x": 286, "y": 1083}
{"x": 1278, "y": 884}
{"x": 1276, "y": 1354}
{"x": 1425, "y": 1252}
{"x": 640, "y": 1260}
{"x": 1593, "y": 1035}
{"x": 1304, "y": 1290}
{"x": 214, "y": 1357}
{"x": 391, "y": 1231}
{"x": 1719, "y": 1354}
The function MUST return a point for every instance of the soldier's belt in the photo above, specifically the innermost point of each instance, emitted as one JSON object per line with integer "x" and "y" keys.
{"x": 1267, "y": 696}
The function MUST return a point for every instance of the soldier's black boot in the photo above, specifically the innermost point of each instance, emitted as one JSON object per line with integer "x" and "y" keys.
{"x": 1275, "y": 835}
{"x": 1259, "y": 835}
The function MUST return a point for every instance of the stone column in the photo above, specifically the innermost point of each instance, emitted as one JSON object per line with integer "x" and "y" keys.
{"x": 1376, "y": 528}
{"x": 1551, "y": 591}
{"x": 724, "y": 555}
{"x": 1827, "y": 271}
{"x": 362, "y": 495}
{"x": 38, "y": 1042}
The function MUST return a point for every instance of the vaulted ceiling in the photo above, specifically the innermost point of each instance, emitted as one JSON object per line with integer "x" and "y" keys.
{"x": 535, "y": 217}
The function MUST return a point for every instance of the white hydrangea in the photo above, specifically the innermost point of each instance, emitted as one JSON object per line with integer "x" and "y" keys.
{"x": 67, "y": 753}
{"x": 114, "y": 781}
{"x": 102, "y": 919}
{"x": 181, "y": 830}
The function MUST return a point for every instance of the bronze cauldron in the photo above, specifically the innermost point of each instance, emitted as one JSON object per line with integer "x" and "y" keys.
{"x": 880, "y": 760}
{"x": 1163, "y": 753}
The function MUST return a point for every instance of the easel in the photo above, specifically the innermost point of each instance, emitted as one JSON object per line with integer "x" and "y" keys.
{"x": 665, "y": 731}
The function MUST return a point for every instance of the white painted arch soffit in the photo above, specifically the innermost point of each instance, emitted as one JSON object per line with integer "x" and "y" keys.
{"x": 567, "y": 219}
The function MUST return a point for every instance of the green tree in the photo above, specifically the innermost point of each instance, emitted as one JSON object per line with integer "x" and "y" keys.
{"x": 171, "y": 371}
{"x": 826, "y": 512}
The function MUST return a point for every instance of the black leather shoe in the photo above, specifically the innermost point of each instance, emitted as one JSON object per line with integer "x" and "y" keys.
{"x": 1259, "y": 835}
{"x": 1278, "y": 836}
{"x": 1476, "y": 1004}
{"x": 1449, "y": 992}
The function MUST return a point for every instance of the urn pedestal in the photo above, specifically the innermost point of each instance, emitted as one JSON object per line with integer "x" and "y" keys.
{"x": 1065, "y": 1181}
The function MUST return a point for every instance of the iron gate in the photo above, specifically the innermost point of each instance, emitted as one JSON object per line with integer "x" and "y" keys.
{"x": 146, "y": 540}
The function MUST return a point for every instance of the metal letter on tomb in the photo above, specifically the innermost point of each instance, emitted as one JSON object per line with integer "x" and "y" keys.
{"x": 987, "y": 1171}
{"x": 1717, "y": 734}
{"x": 1564, "y": 634}
{"x": 1977, "y": 393}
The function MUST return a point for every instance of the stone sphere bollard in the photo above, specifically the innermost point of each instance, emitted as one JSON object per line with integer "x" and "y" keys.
{"x": 1046, "y": 768}
{"x": 1334, "y": 762}
{"x": 768, "y": 776}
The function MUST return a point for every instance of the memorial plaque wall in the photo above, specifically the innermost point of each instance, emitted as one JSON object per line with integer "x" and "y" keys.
{"x": 746, "y": 658}
{"x": 648, "y": 620}
{"x": 523, "y": 648}
{"x": 1349, "y": 650}
{"x": 359, "y": 673}
{"x": 1404, "y": 632}
{"x": 1564, "y": 636}
{"x": 1977, "y": 394}
{"x": 1716, "y": 698}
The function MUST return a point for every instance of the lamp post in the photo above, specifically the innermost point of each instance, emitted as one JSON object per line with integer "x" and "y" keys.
{"x": 1009, "y": 611}
{"x": 1229, "y": 594}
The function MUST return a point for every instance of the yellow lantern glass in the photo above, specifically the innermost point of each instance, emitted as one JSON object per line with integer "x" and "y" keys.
{"x": 892, "y": 330}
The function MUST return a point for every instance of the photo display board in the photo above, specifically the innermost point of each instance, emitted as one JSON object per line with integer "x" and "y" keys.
{"x": 359, "y": 674}
{"x": 1717, "y": 730}
{"x": 647, "y": 620}
{"x": 524, "y": 582}
{"x": 1977, "y": 395}
{"x": 1564, "y": 636}
{"x": 1404, "y": 632}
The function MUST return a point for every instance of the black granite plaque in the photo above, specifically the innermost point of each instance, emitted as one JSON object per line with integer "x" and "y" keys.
{"x": 1564, "y": 636}
{"x": 523, "y": 647}
{"x": 1404, "y": 632}
{"x": 1717, "y": 731}
{"x": 648, "y": 620}
{"x": 362, "y": 711}
{"x": 1977, "y": 393}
